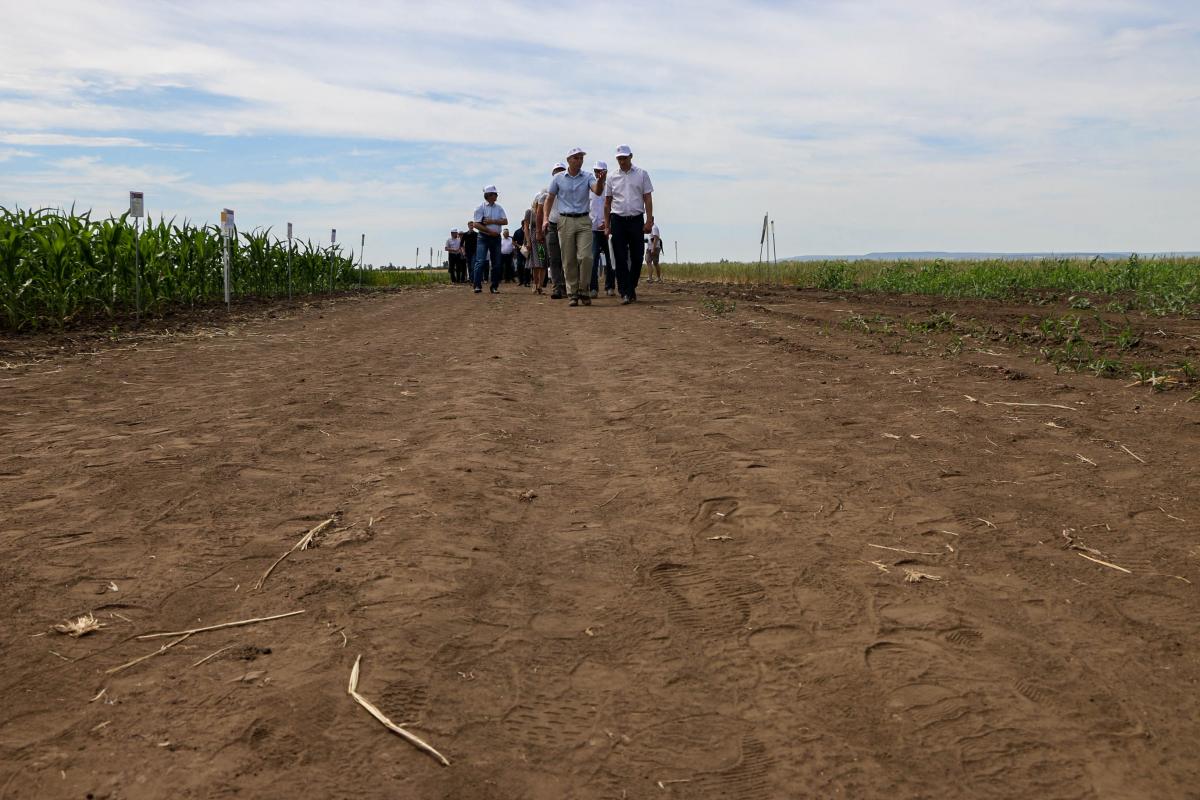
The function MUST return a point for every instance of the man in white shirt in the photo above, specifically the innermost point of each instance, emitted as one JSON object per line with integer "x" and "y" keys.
{"x": 600, "y": 241}
{"x": 569, "y": 191}
{"x": 549, "y": 236}
{"x": 628, "y": 216}
{"x": 454, "y": 254}
{"x": 506, "y": 256}
{"x": 488, "y": 220}
{"x": 653, "y": 250}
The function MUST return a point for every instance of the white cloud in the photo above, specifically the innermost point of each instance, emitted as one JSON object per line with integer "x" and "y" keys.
{"x": 870, "y": 124}
{"x": 66, "y": 140}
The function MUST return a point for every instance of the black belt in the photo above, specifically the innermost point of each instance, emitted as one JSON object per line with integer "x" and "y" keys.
{"x": 565, "y": 214}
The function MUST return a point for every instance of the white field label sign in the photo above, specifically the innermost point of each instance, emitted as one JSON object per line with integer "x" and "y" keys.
{"x": 227, "y": 220}
{"x": 137, "y": 205}
{"x": 333, "y": 236}
{"x": 289, "y": 231}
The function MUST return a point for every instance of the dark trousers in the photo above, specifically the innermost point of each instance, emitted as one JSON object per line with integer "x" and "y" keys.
{"x": 488, "y": 247}
{"x": 522, "y": 268}
{"x": 506, "y": 261}
{"x": 600, "y": 247}
{"x": 629, "y": 248}
{"x": 556, "y": 273}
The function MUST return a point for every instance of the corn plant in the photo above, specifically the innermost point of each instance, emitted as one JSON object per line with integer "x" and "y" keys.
{"x": 58, "y": 267}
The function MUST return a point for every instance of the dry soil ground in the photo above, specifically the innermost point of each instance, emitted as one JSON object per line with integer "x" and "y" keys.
{"x": 662, "y": 550}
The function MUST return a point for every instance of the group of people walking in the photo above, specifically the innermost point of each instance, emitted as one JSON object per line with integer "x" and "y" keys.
{"x": 582, "y": 219}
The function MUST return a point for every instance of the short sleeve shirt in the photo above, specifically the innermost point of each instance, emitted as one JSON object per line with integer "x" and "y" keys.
{"x": 597, "y": 212}
{"x": 506, "y": 246}
{"x": 487, "y": 212}
{"x": 627, "y": 189}
{"x": 571, "y": 191}
{"x": 453, "y": 244}
{"x": 540, "y": 199}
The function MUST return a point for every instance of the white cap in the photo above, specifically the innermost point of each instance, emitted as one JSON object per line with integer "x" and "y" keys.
{"x": 623, "y": 150}
{"x": 600, "y": 165}
{"x": 557, "y": 167}
{"x": 576, "y": 151}
{"x": 490, "y": 189}
{"x": 454, "y": 230}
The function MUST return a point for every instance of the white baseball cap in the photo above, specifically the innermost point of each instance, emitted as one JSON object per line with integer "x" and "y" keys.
{"x": 557, "y": 167}
{"x": 490, "y": 189}
{"x": 576, "y": 151}
{"x": 623, "y": 150}
{"x": 454, "y": 230}
{"x": 600, "y": 165}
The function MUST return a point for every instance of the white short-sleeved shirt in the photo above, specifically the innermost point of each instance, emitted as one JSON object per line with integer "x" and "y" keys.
{"x": 453, "y": 245}
{"x": 654, "y": 232}
{"x": 540, "y": 199}
{"x": 506, "y": 246}
{"x": 597, "y": 212}
{"x": 626, "y": 190}
{"x": 490, "y": 211}
{"x": 571, "y": 191}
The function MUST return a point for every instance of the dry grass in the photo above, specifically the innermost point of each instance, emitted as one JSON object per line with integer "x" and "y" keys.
{"x": 80, "y": 626}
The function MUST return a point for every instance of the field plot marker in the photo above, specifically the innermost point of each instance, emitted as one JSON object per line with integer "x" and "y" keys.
{"x": 137, "y": 209}
{"x": 415, "y": 740}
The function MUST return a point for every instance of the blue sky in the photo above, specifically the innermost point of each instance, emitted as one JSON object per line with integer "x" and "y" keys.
{"x": 859, "y": 125}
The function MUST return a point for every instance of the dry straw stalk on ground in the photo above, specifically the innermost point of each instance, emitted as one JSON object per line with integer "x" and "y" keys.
{"x": 412, "y": 738}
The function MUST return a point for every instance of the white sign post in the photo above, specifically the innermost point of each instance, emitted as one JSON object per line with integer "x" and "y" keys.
{"x": 289, "y": 261}
{"x": 137, "y": 210}
{"x": 332, "y": 242}
{"x": 227, "y": 226}
{"x": 362, "y": 245}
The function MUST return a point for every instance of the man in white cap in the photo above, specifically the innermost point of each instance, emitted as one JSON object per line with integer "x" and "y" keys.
{"x": 600, "y": 240}
{"x": 548, "y": 234}
{"x": 628, "y": 215}
{"x": 488, "y": 220}
{"x": 570, "y": 191}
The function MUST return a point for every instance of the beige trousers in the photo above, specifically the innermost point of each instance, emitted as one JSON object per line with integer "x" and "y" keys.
{"x": 575, "y": 242}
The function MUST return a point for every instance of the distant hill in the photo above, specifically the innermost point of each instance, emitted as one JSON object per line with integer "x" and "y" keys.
{"x": 925, "y": 255}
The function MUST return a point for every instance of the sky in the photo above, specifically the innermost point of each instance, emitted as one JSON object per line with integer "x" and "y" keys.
{"x": 863, "y": 125}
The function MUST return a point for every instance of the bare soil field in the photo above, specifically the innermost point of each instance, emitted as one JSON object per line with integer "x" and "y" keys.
{"x": 717, "y": 544}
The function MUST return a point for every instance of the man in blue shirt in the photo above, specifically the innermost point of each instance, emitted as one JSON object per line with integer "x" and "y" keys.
{"x": 488, "y": 221}
{"x": 571, "y": 190}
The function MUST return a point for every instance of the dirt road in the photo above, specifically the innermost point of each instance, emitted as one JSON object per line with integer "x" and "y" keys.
{"x": 676, "y": 549}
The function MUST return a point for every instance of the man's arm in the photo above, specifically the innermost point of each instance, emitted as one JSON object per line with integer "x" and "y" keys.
{"x": 607, "y": 214}
{"x": 648, "y": 198}
{"x": 599, "y": 187}
{"x": 549, "y": 206}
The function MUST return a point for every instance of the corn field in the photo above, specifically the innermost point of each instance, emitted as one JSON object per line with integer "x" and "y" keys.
{"x": 1159, "y": 284}
{"x": 60, "y": 267}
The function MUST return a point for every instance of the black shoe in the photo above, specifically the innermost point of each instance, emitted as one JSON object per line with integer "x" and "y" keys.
{"x": 587, "y": 301}
{"x": 478, "y": 290}
{"x": 625, "y": 301}
{"x": 574, "y": 301}
{"x": 494, "y": 289}
{"x": 633, "y": 297}
{"x": 556, "y": 296}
